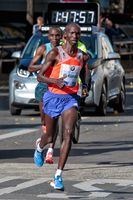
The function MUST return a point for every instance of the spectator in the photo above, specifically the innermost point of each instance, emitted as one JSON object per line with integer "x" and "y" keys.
{"x": 37, "y": 27}
{"x": 111, "y": 29}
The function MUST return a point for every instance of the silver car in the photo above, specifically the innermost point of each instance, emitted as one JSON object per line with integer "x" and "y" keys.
{"x": 106, "y": 77}
{"x": 22, "y": 83}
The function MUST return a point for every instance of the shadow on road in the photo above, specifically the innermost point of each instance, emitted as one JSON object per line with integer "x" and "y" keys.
{"x": 89, "y": 149}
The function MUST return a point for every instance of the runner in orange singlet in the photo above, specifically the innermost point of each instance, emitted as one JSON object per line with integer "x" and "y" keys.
{"x": 60, "y": 71}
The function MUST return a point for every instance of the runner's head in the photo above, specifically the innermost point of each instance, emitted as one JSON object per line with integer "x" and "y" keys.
{"x": 72, "y": 33}
{"x": 54, "y": 35}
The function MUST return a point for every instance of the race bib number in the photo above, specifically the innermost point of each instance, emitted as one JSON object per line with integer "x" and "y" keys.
{"x": 72, "y": 73}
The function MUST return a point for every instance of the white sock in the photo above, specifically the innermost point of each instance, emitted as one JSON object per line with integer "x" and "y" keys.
{"x": 50, "y": 150}
{"x": 58, "y": 172}
{"x": 39, "y": 148}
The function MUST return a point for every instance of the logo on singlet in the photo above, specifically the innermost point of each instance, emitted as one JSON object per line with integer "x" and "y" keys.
{"x": 72, "y": 68}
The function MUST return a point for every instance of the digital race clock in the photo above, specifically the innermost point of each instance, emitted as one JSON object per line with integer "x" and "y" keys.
{"x": 64, "y": 13}
{"x": 77, "y": 16}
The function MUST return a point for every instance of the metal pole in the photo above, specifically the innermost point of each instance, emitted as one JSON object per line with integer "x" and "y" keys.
{"x": 30, "y": 14}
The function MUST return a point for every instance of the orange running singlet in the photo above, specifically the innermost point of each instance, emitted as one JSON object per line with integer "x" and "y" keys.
{"x": 69, "y": 66}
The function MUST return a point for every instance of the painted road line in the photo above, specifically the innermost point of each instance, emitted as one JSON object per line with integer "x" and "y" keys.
{"x": 53, "y": 196}
{"x": 16, "y": 133}
{"x": 8, "y": 178}
{"x": 97, "y": 192}
{"x": 90, "y": 186}
{"x": 22, "y": 186}
{"x": 61, "y": 196}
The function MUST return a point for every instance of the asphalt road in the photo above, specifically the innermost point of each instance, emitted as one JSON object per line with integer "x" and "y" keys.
{"x": 99, "y": 167}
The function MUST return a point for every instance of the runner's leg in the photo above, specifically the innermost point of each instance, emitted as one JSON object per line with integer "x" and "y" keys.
{"x": 50, "y": 151}
{"x": 46, "y": 138}
{"x": 50, "y": 131}
{"x": 69, "y": 118}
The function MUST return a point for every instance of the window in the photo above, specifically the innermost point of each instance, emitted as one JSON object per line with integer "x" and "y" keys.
{"x": 106, "y": 47}
{"x": 33, "y": 45}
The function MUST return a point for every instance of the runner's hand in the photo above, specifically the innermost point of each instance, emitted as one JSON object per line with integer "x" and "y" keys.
{"x": 60, "y": 82}
{"x": 85, "y": 90}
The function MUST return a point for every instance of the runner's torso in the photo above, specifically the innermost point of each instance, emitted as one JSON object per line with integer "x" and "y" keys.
{"x": 48, "y": 47}
{"x": 69, "y": 66}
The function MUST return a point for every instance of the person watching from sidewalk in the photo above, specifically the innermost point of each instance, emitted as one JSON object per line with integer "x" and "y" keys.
{"x": 60, "y": 71}
{"x": 112, "y": 30}
{"x": 54, "y": 35}
{"x": 37, "y": 28}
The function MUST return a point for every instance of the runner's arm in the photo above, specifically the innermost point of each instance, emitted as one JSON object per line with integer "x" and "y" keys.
{"x": 84, "y": 71}
{"x": 51, "y": 59}
{"x": 33, "y": 67}
{"x": 84, "y": 74}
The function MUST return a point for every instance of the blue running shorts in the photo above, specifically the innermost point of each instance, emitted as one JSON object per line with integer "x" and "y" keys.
{"x": 55, "y": 104}
{"x": 40, "y": 89}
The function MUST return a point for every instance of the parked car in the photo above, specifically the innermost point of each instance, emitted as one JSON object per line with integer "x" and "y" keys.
{"x": 22, "y": 83}
{"x": 107, "y": 85}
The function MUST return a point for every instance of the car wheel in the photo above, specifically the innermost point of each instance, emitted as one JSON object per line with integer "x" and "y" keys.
{"x": 14, "y": 110}
{"x": 120, "y": 103}
{"x": 102, "y": 108}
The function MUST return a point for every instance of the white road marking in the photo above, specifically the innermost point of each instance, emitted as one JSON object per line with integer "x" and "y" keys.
{"x": 22, "y": 186}
{"x": 61, "y": 196}
{"x": 53, "y": 195}
{"x": 8, "y": 178}
{"x": 97, "y": 191}
{"x": 99, "y": 194}
{"x": 16, "y": 133}
{"x": 88, "y": 186}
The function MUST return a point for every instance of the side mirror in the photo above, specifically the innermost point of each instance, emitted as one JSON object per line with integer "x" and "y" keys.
{"x": 113, "y": 55}
{"x": 16, "y": 54}
{"x": 93, "y": 63}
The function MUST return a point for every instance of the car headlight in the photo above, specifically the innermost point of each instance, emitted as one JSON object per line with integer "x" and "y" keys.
{"x": 22, "y": 72}
{"x": 19, "y": 85}
{"x": 93, "y": 72}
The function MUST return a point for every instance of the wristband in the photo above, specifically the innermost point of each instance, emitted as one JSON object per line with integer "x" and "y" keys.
{"x": 84, "y": 85}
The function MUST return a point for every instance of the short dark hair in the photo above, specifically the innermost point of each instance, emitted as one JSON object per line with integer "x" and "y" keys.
{"x": 70, "y": 25}
{"x": 56, "y": 27}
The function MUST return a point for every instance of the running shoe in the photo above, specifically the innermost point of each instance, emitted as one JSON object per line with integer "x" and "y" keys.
{"x": 49, "y": 158}
{"x": 38, "y": 156}
{"x": 58, "y": 183}
{"x": 38, "y": 141}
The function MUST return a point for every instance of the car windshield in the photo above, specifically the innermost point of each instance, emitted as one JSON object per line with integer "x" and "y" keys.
{"x": 33, "y": 44}
{"x": 90, "y": 42}
{"x": 36, "y": 41}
